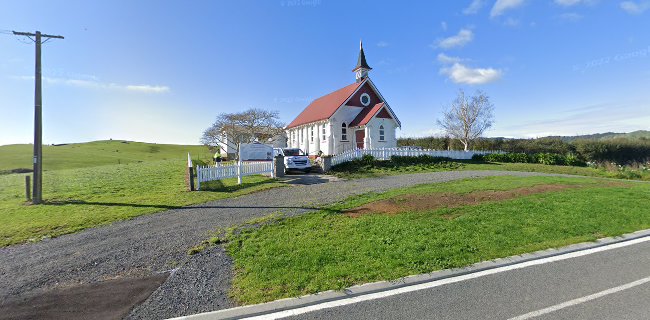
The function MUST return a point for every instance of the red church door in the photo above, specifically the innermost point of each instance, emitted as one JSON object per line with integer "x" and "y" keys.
{"x": 360, "y": 136}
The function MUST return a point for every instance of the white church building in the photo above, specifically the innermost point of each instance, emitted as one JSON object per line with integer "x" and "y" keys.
{"x": 355, "y": 116}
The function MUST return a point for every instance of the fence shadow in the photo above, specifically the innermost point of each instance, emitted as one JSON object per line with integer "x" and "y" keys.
{"x": 219, "y": 186}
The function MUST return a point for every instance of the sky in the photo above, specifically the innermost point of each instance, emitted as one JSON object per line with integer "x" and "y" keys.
{"x": 161, "y": 71}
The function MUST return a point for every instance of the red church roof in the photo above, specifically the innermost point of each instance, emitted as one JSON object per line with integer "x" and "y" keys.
{"x": 365, "y": 115}
{"x": 324, "y": 107}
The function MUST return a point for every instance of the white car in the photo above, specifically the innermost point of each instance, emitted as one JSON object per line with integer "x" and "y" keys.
{"x": 294, "y": 159}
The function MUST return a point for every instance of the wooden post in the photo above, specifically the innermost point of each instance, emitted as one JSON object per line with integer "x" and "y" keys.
{"x": 28, "y": 188}
{"x": 189, "y": 176}
{"x": 239, "y": 166}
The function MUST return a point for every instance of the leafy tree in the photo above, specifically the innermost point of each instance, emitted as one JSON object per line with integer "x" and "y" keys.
{"x": 243, "y": 127}
{"x": 467, "y": 117}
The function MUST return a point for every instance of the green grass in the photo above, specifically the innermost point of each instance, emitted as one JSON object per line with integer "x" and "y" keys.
{"x": 96, "y": 153}
{"x": 76, "y": 199}
{"x": 378, "y": 169}
{"x": 328, "y": 250}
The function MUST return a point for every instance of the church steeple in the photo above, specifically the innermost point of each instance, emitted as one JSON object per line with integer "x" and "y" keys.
{"x": 362, "y": 68}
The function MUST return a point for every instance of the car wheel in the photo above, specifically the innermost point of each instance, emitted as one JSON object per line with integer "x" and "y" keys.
{"x": 308, "y": 170}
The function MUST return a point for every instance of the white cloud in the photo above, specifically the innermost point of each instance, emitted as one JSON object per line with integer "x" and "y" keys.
{"x": 474, "y": 7}
{"x": 502, "y": 6}
{"x": 443, "y": 58}
{"x": 443, "y": 25}
{"x": 632, "y": 7}
{"x": 459, "y": 73}
{"x": 511, "y": 22}
{"x": 382, "y": 44}
{"x": 567, "y": 3}
{"x": 570, "y": 3}
{"x": 571, "y": 17}
{"x": 147, "y": 88}
{"x": 463, "y": 37}
{"x": 94, "y": 84}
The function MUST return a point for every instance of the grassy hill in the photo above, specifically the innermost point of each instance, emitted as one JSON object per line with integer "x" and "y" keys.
{"x": 608, "y": 136}
{"x": 96, "y": 153}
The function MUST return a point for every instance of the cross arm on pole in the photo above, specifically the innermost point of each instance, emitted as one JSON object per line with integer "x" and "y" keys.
{"x": 29, "y": 34}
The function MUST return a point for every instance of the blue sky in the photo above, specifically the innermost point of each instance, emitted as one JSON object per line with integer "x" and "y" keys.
{"x": 160, "y": 71}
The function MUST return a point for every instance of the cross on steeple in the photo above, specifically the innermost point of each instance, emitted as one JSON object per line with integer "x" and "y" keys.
{"x": 362, "y": 68}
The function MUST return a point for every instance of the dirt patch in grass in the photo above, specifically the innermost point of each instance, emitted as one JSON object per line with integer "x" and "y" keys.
{"x": 433, "y": 201}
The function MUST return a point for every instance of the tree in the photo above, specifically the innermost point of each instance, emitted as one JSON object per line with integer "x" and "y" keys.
{"x": 243, "y": 127}
{"x": 467, "y": 117}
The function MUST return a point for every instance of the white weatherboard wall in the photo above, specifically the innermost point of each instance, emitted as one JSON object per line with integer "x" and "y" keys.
{"x": 343, "y": 114}
{"x": 390, "y": 140}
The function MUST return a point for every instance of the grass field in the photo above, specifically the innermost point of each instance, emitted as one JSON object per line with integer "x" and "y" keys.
{"x": 84, "y": 186}
{"x": 461, "y": 223}
{"x": 96, "y": 153}
{"x": 88, "y": 197}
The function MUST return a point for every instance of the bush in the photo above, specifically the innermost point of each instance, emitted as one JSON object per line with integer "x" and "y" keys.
{"x": 573, "y": 160}
{"x": 619, "y": 150}
{"x": 367, "y": 159}
{"x": 550, "y": 159}
{"x": 518, "y": 157}
{"x": 411, "y": 160}
{"x": 543, "y": 158}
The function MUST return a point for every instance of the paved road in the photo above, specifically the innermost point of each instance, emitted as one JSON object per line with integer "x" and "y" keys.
{"x": 537, "y": 292}
{"x": 157, "y": 243}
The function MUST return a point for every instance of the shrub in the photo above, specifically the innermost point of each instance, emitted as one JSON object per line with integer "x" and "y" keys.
{"x": 478, "y": 157}
{"x": 367, "y": 159}
{"x": 550, "y": 159}
{"x": 518, "y": 158}
{"x": 412, "y": 160}
{"x": 573, "y": 160}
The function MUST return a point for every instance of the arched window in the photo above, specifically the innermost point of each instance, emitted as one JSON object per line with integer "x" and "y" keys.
{"x": 381, "y": 133}
{"x": 344, "y": 132}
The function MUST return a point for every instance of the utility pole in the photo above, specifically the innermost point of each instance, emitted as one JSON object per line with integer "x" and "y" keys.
{"x": 37, "y": 195}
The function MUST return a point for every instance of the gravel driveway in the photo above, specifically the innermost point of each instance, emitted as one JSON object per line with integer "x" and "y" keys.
{"x": 158, "y": 243}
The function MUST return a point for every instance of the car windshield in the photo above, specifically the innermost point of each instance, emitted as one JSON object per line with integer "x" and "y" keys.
{"x": 293, "y": 152}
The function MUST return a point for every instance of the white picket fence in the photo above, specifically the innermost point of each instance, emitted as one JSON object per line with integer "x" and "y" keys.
{"x": 239, "y": 170}
{"x": 386, "y": 153}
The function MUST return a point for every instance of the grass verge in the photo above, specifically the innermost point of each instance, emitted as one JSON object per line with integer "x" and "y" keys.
{"x": 386, "y": 168}
{"x": 329, "y": 250}
{"x": 89, "y": 197}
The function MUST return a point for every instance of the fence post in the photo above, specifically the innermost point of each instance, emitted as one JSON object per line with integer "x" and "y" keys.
{"x": 190, "y": 173}
{"x": 239, "y": 173}
{"x": 278, "y": 166}
{"x": 28, "y": 188}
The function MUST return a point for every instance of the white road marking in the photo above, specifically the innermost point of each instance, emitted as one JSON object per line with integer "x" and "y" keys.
{"x": 574, "y": 302}
{"x": 437, "y": 283}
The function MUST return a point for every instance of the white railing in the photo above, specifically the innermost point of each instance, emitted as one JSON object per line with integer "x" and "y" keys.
{"x": 386, "y": 153}
{"x": 239, "y": 170}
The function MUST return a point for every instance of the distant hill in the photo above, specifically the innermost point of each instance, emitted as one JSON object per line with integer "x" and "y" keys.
{"x": 96, "y": 153}
{"x": 607, "y": 136}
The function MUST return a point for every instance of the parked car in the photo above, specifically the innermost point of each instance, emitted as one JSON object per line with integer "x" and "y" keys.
{"x": 294, "y": 159}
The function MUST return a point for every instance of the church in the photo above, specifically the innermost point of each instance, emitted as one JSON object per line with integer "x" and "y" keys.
{"x": 355, "y": 116}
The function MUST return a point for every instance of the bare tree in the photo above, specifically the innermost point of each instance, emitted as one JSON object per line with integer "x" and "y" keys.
{"x": 467, "y": 117}
{"x": 243, "y": 127}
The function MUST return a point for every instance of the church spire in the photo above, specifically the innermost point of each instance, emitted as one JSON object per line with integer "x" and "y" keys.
{"x": 362, "y": 68}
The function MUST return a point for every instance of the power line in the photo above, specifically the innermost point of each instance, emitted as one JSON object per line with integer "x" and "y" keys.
{"x": 38, "y": 114}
